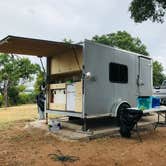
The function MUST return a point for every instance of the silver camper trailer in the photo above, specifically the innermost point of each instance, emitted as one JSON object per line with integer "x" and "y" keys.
{"x": 88, "y": 80}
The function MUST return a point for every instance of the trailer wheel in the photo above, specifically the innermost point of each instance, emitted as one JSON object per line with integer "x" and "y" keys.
{"x": 120, "y": 109}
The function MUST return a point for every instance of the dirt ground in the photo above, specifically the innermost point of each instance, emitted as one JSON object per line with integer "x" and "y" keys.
{"x": 22, "y": 147}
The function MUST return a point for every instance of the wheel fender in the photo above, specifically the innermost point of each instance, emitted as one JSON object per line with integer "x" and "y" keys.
{"x": 116, "y": 106}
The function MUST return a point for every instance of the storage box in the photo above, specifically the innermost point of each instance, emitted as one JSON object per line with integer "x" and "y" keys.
{"x": 144, "y": 103}
{"x": 54, "y": 125}
{"x": 148, "y": 102}
{"x": 155, "y": 102}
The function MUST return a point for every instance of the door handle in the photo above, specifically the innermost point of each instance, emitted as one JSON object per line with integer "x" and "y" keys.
{"x": 140, "y": 82}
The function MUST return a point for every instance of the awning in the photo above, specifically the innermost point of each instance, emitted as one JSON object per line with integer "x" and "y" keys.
{"x": 36, "y": 47}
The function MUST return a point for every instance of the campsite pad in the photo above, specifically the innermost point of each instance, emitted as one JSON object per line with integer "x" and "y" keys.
{"x": 31, "y": 146}
{"x": 71, "y": 129}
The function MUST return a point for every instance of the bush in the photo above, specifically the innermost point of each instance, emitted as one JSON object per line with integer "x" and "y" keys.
{"x": 21, "y": 98}
{"x": 1, "y": 100}
{"x": 25, "y": 98}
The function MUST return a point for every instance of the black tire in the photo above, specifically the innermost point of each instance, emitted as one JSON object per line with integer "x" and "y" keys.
{"x": 120, "y": 109}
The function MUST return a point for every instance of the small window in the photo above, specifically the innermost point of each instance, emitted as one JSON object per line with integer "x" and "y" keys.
{"x": 118, "y": 73}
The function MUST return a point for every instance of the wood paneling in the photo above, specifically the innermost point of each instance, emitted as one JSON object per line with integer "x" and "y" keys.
{"x": 58, "y": 86}
{"x": 78, "y": 98}
{"x": 37, "y": 47}
{"x": 70, "y": 61}
{"x": 54, "y": 106}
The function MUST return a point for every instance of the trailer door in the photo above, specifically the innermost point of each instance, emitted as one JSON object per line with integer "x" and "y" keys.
{"x": 145, "y": 77}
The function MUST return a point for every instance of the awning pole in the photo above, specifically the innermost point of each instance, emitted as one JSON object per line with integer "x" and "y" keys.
{"x": 42, "y": 65}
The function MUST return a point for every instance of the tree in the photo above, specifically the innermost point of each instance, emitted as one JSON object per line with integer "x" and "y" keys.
{"x": 14, "y": 71}
{"x": 142, "y": 10}
{"x": 14, "y": 92}
{"x": 39, "y": 81}
{"x": 68, "y": 41}
{"x": 124, "y": 40}
{"x": 158, "y": 75}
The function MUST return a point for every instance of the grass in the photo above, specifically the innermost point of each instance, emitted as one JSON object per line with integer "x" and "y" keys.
{"x": 63, "y": 158}
{"x": 12, "y": 114}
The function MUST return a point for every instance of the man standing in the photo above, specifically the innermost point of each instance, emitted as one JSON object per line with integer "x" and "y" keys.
{"x": 40, "y": 98}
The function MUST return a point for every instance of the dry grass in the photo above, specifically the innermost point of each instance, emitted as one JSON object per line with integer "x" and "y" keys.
{"x": 13, "y": 114}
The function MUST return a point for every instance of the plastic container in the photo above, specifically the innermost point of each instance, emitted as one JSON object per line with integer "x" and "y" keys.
{"x": 155, "y": 102}
{"x": 144, "y": 103}
{"x": 54, "y": 125}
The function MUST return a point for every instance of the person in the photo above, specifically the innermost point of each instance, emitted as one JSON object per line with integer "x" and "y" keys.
{"x": 40, "y": 98}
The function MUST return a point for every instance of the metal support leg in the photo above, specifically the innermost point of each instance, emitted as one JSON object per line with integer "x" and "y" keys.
{"x": 155, "y": 126}
{"x": 158, "y": 121}
{"x": 158, "y": 118}
{"x": 46, "y": 118}
{"x": 84, "y": 127}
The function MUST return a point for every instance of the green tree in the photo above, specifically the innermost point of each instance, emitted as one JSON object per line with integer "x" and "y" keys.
{"x": 142, "y": 10}
{"x": 158, "y": 75}
{"x": 124, "y": 40}
{"x": 14, "y": 71}
{"x": 14, "y": 92}
{"x": 39, "y": 81}
{"x": 1, "y": 100}
{"x": 68, "y": 41}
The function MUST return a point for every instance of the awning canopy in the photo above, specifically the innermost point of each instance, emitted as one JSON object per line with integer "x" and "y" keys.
{"x": 36, "y": 47}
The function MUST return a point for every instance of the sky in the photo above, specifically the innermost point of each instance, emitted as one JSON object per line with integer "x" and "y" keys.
{"x": 78, "y": 20}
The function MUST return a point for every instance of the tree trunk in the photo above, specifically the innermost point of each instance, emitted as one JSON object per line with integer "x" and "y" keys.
{"x": 6, "y": 93}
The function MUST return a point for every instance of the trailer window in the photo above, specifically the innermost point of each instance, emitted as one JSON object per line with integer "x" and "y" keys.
{"x": 118, "y": 73}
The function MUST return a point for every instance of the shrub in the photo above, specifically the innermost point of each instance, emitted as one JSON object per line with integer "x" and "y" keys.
{"x": 1, "y": 100}
{"x": 25, "y": 98}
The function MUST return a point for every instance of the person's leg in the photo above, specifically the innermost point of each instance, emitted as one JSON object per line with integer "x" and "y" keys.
{"x": 43, "y": 115}
{"x": 40, "y": 113}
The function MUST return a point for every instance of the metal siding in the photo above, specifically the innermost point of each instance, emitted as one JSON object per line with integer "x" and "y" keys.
{"x": 127, "y": 92}
{"x": 101, "y": 94}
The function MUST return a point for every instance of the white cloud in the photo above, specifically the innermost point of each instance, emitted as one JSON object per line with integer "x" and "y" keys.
{"x": 77, "y": 19}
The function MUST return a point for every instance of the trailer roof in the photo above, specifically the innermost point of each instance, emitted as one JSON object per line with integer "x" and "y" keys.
{"x": 36, "y": 47}
{"x": 119, "y": 49}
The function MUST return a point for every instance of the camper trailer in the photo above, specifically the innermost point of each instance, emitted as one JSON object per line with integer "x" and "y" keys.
{"x": 87, "y": 80}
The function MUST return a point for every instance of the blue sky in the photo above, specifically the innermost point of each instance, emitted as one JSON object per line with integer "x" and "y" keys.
{"x": 78, "y": 19}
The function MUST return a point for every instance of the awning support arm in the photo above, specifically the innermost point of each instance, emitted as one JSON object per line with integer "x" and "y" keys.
{"x": 42, "y": 65}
